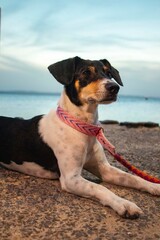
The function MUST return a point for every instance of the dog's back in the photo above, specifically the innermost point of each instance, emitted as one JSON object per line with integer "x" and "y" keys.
{"x": 15, "y": 135}
{"x": 21, "y": 144}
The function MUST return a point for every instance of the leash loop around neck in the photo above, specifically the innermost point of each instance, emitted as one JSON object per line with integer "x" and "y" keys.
{"x": 98, "y": 132}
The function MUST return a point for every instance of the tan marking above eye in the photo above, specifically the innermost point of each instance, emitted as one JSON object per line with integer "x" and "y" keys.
{"x": 92, "y": 69}
{"x": 77, "y": 85}
{"x": 105, "y": 68}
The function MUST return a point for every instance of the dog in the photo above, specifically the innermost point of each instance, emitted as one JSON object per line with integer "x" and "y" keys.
{"x": 46, "y": 147}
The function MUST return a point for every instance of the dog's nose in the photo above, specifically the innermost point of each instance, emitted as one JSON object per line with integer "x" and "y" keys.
{"x": 112, "y": 87}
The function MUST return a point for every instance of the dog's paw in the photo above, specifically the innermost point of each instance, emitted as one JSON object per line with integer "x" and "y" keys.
{"x": 154, "y": 189}
{"x": 129, "y": 210}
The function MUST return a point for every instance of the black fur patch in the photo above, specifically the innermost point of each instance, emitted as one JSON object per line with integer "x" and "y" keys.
{"x": 72, "y": 93}
{"x": 20, "y": 142}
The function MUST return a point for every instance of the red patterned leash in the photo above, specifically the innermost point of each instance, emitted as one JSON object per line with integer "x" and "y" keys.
{"x": 97, "y": 131}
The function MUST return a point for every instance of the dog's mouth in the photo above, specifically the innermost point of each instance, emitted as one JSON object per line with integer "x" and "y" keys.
{"x": 109, "y": 99}
{"x": 105, "y": 100}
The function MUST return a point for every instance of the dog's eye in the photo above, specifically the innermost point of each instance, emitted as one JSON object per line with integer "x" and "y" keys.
{"x": 103, "y": 70}
{"x": 86, "y": 72}
{"x": 109, "y": 75}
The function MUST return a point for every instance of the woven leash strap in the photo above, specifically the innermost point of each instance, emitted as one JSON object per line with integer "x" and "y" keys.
{"x": 97, "y": 131}
{"x": 110, "y": 148}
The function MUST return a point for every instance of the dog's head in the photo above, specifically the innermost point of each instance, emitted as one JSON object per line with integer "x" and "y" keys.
{"x": 87, "y": 81}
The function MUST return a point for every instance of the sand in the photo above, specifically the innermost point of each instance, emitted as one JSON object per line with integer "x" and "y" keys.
{"x": 34, "y": 208}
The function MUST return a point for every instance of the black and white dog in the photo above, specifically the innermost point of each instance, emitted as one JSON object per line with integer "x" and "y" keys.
{"x": 46, "y": 147}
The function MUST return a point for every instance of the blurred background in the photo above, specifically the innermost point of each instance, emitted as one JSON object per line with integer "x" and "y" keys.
{"x": 35, "y": 34}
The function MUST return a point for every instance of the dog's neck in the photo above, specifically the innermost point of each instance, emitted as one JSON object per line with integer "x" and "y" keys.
{"x": 86, "y": 112}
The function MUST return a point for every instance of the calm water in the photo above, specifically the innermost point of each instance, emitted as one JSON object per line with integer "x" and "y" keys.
{"x": 125, "y": 109}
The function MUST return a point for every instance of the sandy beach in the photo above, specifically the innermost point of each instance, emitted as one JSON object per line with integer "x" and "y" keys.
{"x": 33, "y": 208}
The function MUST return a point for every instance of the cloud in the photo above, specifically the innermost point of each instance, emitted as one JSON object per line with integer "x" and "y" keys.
{"x": 140, "y": 78}
{"x": 41, "y": 30}
{"x": 20, "y": 76}
{"x": 36, "y": 34}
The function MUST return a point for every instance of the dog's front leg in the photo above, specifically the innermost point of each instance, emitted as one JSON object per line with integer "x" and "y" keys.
{"x": 72, "y": 181}
{"x": 99, "y": 166}
{"x": 116, "y": 176}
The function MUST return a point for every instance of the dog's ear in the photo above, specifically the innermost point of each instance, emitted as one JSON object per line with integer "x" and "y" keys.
{"x": 114, "y": 72}
{"x": 63, "y": 71}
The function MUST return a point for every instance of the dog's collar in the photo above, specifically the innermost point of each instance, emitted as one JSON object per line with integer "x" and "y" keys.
{"x": 79, "y": 125}
{"x": 85, "y": 128}
{"x": 97, "y": 131}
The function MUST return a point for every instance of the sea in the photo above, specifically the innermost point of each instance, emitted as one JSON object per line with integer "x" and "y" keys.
{"x": 126, "y": 108}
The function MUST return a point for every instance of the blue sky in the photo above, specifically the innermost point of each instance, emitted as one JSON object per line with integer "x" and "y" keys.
{"x": 37, "y": 33}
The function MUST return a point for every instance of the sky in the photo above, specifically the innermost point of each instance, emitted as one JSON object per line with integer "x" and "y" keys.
{"x": 37, "y": 33}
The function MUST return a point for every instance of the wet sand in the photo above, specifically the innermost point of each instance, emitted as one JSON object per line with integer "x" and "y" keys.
{"x": 34, "y": 208}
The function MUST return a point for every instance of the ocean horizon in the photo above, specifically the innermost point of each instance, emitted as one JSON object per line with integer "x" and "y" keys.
{"x": 126, "y": 108}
